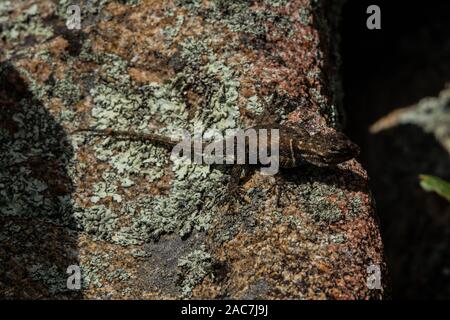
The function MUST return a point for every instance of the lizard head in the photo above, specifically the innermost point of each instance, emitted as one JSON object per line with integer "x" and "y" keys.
{"x": 327, "y": 149}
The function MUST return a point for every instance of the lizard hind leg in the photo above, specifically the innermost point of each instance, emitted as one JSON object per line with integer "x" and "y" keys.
{"x": 280, "y": 190}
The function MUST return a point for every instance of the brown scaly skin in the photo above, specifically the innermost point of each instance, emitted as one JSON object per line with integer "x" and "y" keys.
{"x": 296, "y": 146}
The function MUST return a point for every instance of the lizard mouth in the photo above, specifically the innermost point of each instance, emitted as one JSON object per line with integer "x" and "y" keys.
{"x": 344, "y": 153}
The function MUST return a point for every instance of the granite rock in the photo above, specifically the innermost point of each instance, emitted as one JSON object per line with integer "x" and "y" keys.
{"x": 138, "y": 224}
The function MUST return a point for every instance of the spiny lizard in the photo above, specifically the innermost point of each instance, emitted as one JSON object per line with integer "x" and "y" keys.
{"x": 296, "y": 146}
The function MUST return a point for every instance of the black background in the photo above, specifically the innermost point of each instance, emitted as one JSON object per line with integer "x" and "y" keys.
{"x": 383, "y": 70}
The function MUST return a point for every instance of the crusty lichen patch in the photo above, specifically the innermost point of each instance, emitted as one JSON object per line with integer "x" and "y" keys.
{"x": 193, "y": 268}
{"x": 117, "y": 103}
{"x": 21, "y": 22}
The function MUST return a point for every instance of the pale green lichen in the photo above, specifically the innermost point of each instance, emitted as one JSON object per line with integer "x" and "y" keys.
{"x": 149, "y": 217}
{"x": 39, "y": 91}
{"x": 172, "y": 31}
{"x": 53, "y": 277}
{"x": 97, "y": 220}
{"x": 276, "y": 3}
{"x": 195, "y": 189}
{"x": 132, "y": 158}
{"x": 192, "y": 204}
{"x": 96, "y": 272}
{"x": 320, "y": 201}
{"x": 22, "y": 193}
{"x": 192, "y": 269}
{"x": 254, "y": 105}
{"x": 305, "y": 15}
{"x": 87, "y": 7}
{"x": 238, "y": 16}
{"x": 67, "y": 90}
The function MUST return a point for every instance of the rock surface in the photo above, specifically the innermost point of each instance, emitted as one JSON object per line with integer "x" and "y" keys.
{"x": 137, "y": 224}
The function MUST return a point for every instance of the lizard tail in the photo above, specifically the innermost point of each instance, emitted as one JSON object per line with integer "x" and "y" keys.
{"x": 128, "y": 135}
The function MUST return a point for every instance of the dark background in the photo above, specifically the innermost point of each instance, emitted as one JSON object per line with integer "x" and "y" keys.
{"x": 383, "y": 70}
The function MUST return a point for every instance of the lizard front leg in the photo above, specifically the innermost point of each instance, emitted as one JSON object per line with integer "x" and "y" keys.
{"x": 234, "y": 189}
{"x": 278, "y": 189}
{"x": 235, "y": 178}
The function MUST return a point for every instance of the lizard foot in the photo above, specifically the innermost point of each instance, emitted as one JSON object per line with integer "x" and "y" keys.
{"x": 278, "y": 190}
{"x": 237, "y": 195}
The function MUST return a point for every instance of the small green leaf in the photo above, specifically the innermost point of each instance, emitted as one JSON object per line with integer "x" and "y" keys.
{"x": 435, "y": 184}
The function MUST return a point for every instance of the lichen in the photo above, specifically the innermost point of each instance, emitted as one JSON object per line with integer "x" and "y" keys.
{"x": 67, "y": 90}
{"x": 87, "y": 7}
{"x": 96, "y": 220}
{"x": 22, "y": 193}
{"x": 195, "y": 190}
{"x": 320, "y": 201}
{"x": 27, "y": 25}
{"x": 238, "y": 16}
{"x": 192, "y": 269}
{"x": 53, "y": 277}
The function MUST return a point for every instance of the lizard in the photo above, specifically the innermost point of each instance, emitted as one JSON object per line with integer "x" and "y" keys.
{"x": 296, "y": 147}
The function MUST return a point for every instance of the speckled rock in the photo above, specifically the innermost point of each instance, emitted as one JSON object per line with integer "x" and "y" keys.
{"x": 138, "y": 224}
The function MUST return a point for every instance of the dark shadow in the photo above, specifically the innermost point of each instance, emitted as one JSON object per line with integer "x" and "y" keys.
{"x": 38, "y": 241}
{"x": 415, "y": 224}
{"x": 405, "y": 61}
